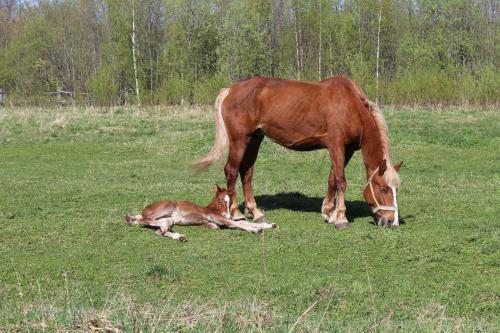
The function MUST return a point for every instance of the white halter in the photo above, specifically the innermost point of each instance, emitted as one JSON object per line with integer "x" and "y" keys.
{"x": 380, "y": 207}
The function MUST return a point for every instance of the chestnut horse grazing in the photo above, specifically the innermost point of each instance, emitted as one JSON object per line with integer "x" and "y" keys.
{"x": 333, "y": 114}
{"x": 165, "y": 214}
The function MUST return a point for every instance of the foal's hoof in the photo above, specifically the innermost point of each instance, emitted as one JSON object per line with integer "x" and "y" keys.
{"x": 159, "y": 232}
{"x": 182, "y": 239}
{"x": 275, "y": 226}
{"x": 260, "y": 231}
{"x": 343, "y": 225}
{"x": 261, "y": 219}
{"x": 237, "y": 216}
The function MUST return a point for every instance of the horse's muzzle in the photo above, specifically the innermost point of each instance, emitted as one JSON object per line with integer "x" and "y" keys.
{"x": 385, "y": 222}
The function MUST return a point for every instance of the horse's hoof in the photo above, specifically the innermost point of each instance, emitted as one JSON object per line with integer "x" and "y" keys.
{"x": 182, "y": 239}
{"x": 343, "y": 225}
{"x": 260, "y": 231}
{"x": 275, "y": 226}
{"x": 261, "y": 219}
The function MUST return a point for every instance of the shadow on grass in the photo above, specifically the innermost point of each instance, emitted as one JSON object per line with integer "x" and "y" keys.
{"x": 301, "y": 203}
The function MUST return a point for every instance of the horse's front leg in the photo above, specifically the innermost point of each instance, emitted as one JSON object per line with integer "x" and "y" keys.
{"x": 338, "y": 216}
{"x": 328, "y": 202}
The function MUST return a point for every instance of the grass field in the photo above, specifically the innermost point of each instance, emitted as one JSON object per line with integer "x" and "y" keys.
{"x": 70, "y": 263}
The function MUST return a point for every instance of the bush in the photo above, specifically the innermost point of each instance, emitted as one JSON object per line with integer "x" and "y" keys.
{"x": 174, "y": 91}
{"x": 205, "y": 92}
{"x": 102, "y": 86}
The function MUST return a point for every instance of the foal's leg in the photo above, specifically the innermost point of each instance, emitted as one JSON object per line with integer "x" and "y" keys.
{"x": 165, "y": 229}
{"x": 246, "y": 173}
{"x": 209, "y": 225}
{"x": 258, "y": 225}
{"x": 337, "y": 154}
{"x": 237, "y": 147}
{"x": 243, "y": 225}
{"x": 173, "y": 235}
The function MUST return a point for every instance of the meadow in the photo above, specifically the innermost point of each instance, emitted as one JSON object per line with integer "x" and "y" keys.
{"x": 70, "y": 263}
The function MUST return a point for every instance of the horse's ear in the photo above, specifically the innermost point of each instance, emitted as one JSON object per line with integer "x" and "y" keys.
{"x": 217, "y": 188}
{"x": 382, "y": 167}
{"x": 398, "y": 166}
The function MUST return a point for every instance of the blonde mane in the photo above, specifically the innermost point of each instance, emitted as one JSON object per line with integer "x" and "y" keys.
{"x": 391, "y": 175}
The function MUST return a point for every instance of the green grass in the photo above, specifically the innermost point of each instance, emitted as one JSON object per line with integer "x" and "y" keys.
{"x": 69, "y": 262}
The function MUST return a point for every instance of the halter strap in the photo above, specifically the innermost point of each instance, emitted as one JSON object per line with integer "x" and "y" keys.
{"x": 378, "y": 207}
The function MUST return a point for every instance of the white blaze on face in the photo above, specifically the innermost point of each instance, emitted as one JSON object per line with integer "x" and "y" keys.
{"x": 227, "y": 201}
{"x": 396, "y": 216}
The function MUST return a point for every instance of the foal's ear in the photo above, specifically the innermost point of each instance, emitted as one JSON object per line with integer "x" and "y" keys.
{"x": 382, "y": 167}
{"x": 217, "y": 189}
{"x": 398, "y": 166}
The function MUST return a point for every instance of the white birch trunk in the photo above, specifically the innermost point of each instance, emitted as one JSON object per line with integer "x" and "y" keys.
{"x": 320, "y": 48}
{"x": 134, "y": 58}
{"x": 297, "y": 53}
{"x": 378, "y": 50}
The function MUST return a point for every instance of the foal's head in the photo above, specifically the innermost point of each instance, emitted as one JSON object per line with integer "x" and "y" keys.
{"x": 381, "y": 194}
{"x": 221, "y": 203}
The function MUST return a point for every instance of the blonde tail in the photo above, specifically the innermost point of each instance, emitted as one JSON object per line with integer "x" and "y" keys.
{"x": 221, "y": 139}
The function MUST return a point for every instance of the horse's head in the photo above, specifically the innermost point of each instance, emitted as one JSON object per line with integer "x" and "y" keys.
{"x": 222, "y": 201}
{"x": 380, "y": 193}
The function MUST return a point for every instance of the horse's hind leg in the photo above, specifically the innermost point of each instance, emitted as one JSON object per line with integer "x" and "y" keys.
{"x": 246, "y": 173}
{"x": 237, "y": 148}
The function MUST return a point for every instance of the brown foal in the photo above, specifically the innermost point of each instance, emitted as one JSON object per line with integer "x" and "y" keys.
{"x": 165, "y": 214}
{"x": 333, "y": 114}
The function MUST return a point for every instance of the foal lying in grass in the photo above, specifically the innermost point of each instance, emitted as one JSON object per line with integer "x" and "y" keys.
{"x": 163, "y": 215}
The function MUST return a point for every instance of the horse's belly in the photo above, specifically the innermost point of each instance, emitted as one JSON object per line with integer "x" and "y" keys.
{"x": 299, "y": 143}
{"x": 306, "y": 144}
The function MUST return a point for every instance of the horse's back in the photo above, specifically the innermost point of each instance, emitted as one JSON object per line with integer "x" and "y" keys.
{"x": 296, "y": 114}
{"x": 273, "y": 93}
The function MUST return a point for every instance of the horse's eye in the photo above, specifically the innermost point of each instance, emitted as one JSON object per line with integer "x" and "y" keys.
{"x": 383, "y": 189}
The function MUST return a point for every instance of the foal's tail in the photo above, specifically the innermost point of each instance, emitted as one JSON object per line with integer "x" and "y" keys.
{"x": 221, "y": 139}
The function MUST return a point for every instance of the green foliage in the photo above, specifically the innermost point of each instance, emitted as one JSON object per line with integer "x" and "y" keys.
{"x": 429, "y": 52}
{"x": 205, "y": 91}
{"x": 102, "y": 86}
{"x": 174, "y": 91}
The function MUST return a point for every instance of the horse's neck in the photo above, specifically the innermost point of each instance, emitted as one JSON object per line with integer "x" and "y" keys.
{"x": 371, "y": 146}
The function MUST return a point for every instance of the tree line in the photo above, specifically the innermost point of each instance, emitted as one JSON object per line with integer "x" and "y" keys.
{"x": 113, "y": 52}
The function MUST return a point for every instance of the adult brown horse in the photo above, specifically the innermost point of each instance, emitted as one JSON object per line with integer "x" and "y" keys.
{"x": 333, "y": 114}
